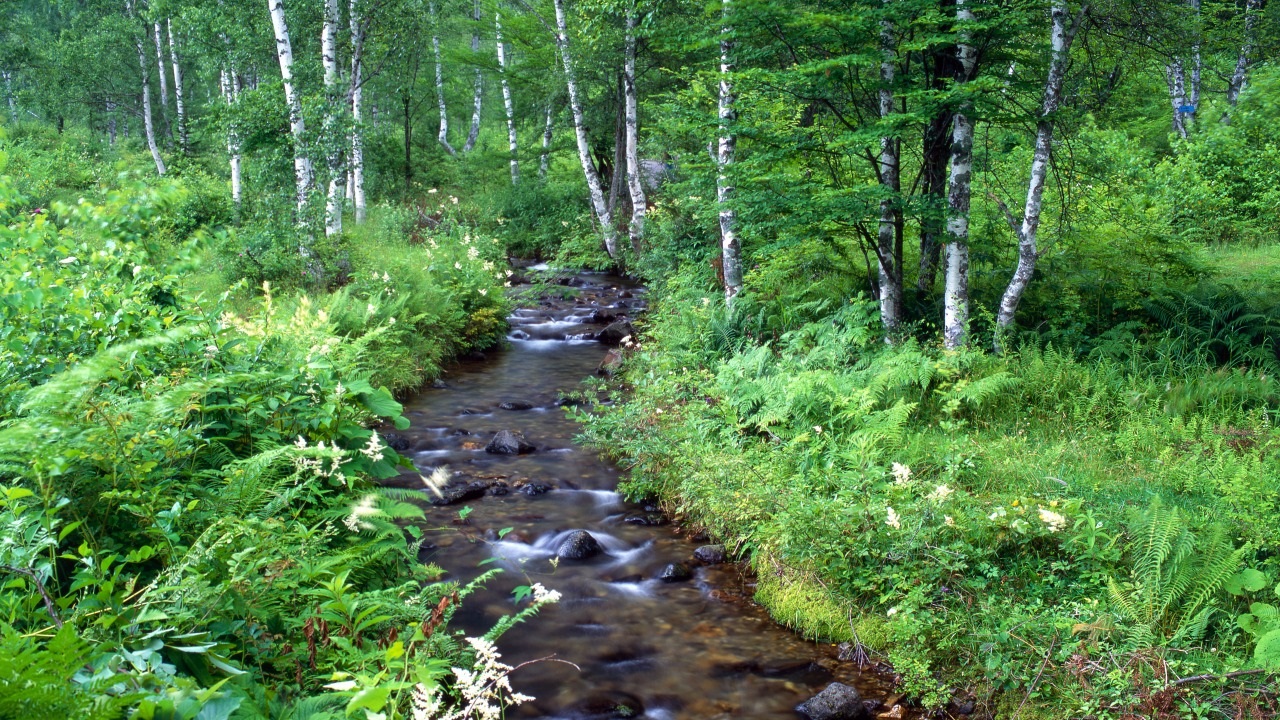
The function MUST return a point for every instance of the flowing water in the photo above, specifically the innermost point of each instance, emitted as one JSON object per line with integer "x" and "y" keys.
{"x": 698, "y": 648}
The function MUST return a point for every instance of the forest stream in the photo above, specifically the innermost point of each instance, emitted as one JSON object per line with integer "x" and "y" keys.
{"x": 654, "y": 630}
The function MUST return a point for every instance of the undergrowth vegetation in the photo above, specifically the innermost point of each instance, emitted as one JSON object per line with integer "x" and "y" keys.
{"x": 1067, "y": 530}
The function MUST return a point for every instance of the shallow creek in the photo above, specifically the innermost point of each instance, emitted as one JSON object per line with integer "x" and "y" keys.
{"x": 696, "y": 648}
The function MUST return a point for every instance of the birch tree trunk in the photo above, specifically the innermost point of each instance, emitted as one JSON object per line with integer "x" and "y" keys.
{"x": 635, "y": 183}
{"x": 1175, "y": 78}
{"x": 603, "y": 216}
{"x": 890, "y": 265}
{"x": 443, "y": 135}
{"x": 507, "y": 103}
{"x": 13, "y": 105}
{"x": 730, "y": 245}
{"x": 302, "y": 169}
{"x": 1236, "y": 84}
{"x": 166, "y": 128}
{"x": 356, "y": 187}
{"x": 337, "y": 176}
{"x": 111, "y": 119}
{"x": 1062, "y": 33}
{"x": 478, "y": 85}
{"x": 146, "y": 97}
{"x": 231, "y": 93}
{"x": 955, "y": 321}
{"x": 178, "y": 97}
{"x": 545, "y": 160}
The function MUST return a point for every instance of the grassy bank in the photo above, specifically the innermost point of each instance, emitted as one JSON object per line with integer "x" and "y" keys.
{"x": 1059, "y": 535}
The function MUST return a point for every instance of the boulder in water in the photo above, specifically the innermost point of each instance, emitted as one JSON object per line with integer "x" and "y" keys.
{"x": 610, "y": 365}
{"x": 709, "y": 554}
{"x": 515, "y": 405}
{"x": 614, "y": 334}
{"x": 675, "y": 572}
{"x": 507, "y": 442}
{"x": 608, "y": 705}
{"x": 579, "y": 545}
{"x": 837, "y": 702}
{"x": 460, "y": 493}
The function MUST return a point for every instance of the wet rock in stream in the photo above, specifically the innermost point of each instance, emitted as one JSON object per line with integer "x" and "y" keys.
{"x": 614, "y": 334}
{"x": 507, "y": 442}
{"x": 837, "y": 702}
{"x": 675, "y": 572}
{"x": 610, "y": 705}
{"x": 579, "y": 545}
{"x": 610, "y": 365}
{"x": 709, "y": 554}
{"x": 460, "y": 493}
{"x": 515, "y": 405}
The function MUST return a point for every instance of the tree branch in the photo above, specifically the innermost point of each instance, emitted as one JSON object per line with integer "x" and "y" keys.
{"x": 1014, "y": 223}
{"x": 48, "y": 601}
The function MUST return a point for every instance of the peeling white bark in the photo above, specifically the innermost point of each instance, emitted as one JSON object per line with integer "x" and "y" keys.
{"x": 507, "y": 103}
{"x": 890, "y": 274}
{"x": 635, "y": 183}
{"x": 730, "y": 244}
{"x": 164, "y": 81}
{"x": 230, "y": 84}
{"x": 146, "y": 97}
{"x": 478, "y": 85}
{"x": 1243, "y": 60}
{"x": 443, "y": 135}
{"x": 355, "y": 188}
{"x": 337, "y": 175}
{"x": 545, "y": 160}
{"x": 598, "y": 203}
{"x": 13, "y": 105}
{"x": 303, "y": 172}
{"x": 1062, "y": 33}
{"x": 178, "y": 98}
{"x": 955, "y": 321}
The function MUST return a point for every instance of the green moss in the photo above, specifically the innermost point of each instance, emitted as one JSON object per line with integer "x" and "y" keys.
{"x": 796, "y": 599}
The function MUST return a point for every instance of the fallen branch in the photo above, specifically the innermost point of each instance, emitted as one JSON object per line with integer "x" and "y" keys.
{"x": 1212, "y": 676}
{"x": 48, "y": 601}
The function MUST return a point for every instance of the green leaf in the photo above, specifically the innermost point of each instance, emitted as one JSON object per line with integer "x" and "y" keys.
{"x": 373, "y": 698}
{"x": 1267, "y": 653}
{"x": 1249, "y": 580}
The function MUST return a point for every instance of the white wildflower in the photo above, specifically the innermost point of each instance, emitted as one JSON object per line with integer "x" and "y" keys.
{"x": 948, "y": 521}
{"x": 340, "y": 390}
{"x": 892, "y": 611}
{"x": 432, "y": 191}
{"x": 386, "y": 278}
{"x": 1053, "y": 520}
{"x": 998, "y": 513}
{"x": 543, "y": 595}
{"x": 457, "y": 266}
{"x": 437, "y": 480}
{"x": 901, "y": 474}
{"x": 817, "y": 429}
{"x": 892, "y": 520}
{"x": 453, "y": 200}
{"x": 483, "y": 291}
{"x": 367, "y": 507}
{"x": 210, "y": 351}
{"x": 473, "y": 253}
{"x": 373, "y": 450}
{"x": 940, "y": 493}
{"x": 301, "y": 442}
{"x": 69, "y": 260}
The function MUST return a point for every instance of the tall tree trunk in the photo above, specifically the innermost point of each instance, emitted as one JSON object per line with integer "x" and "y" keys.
{"x": 955, "y": 321}
{"x": 303, "y": 172}
{"x": 13, "y": 104}
{"x": 337, "y": 175}
{"x": 635, "y": 182}
{"x": 231, "y": 93}
{"x": 1062, "y": 33}
{"x": 507, "y": 103}
{"x": 1197, "y": 64}
{"x": 443, "y": 135}
{"x": 1242, "y": 60}
{"x": 618, "y": 176}
{"x": 478, "y": 86}
{"x": 146, "y": 97}
{"x": 111, "y": 121}
{"x": 730, "y": 245}
{"x": 356, "y": 187}
{"x": 178, "y": 97}
{"x": 166, "y": 128}
{"x": 935, "y": 151}
{"x": 1175, "y": 78}
{"x": 603, "y": 216}
{"x": 407, "y": 102}
{"x": 890, "y": 263}
{"x": 545, "y": 160}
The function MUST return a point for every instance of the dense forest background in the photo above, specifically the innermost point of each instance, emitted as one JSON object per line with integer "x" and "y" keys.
{"x": 965, "y": 333}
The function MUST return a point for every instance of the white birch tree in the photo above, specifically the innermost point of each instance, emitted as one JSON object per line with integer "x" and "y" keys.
{"x": 635, "y": 183}
{"x": 955, "y": 320}
{"x": 507, "y": 102}
{"x": 167, "y": 129}
{"x": 544, "y": 161}
{"x": 337, "y": 176}
{"x": 443, "y": 135}
{"x": 13, "y": 104}
{"x": 890, "y": 275}
{"x": 594, "y": 187}
{"x": 1243, "y": 60}
{"x": 727, "y": 145}
{"x": 477, "y": 94}
{"x": 356, "y": 186}
{"x": 230, "y": 84}
{"x": 303, "y": 172}
{"x": 1062, "y": 33}
{"x": 178, "y": 98}
{"x": 148, "y": 125}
